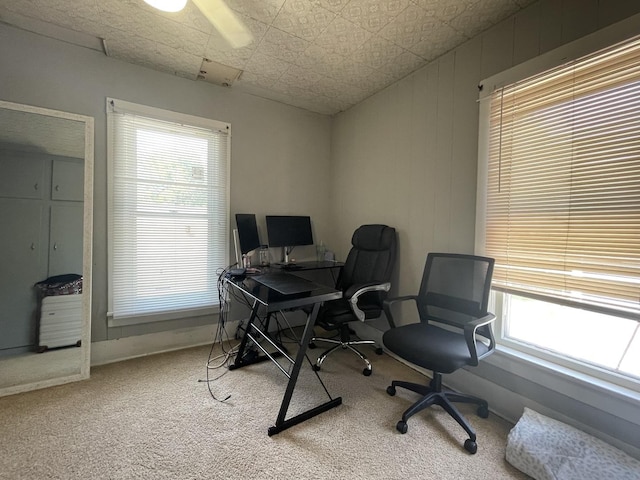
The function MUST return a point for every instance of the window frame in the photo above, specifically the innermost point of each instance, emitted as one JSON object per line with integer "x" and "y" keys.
{"x": 159, "y": 114}
{"x": 540, "y": 360}
{"x": 595, "y": 373}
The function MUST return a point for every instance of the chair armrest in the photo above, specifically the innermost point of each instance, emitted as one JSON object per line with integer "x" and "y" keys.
{"x": 470, "y": 329}
{"x": 355, "y": 291}
{"x": 386, "y": 306}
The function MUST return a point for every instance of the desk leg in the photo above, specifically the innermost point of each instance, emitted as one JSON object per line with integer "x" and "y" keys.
{"x": 282, "y": 423}
{"x": 240, "y": 361}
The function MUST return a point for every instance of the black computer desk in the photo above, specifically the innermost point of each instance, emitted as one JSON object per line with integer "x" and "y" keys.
{"x": 307, "y": 269}
{"x": 271, "y": 301}
{"x": 314, "y": 267}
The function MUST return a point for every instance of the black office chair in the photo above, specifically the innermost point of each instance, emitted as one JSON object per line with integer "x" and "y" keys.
{"x": 454, "y": 331}
{"x": 364, "y": 281}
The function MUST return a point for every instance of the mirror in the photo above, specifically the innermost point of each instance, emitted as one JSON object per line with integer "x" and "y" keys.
{"x": 46, "y": 213}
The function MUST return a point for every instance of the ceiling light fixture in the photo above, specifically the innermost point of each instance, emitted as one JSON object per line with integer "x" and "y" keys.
{"x": 167, "y": 5}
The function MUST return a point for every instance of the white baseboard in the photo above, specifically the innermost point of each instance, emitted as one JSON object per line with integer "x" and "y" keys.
{"x": 110, "y": 351}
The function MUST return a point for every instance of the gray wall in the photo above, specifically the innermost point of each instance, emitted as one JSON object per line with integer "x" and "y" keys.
{"x": 408, "y": 157}
{"x": 280, "y": 154}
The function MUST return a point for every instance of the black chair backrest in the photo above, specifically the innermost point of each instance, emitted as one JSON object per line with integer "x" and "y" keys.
{"x": 455, "y": 288}
{"x": 371, "y": 258}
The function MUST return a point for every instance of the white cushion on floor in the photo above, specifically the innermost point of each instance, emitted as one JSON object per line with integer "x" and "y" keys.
{"x": 547, "y": 449}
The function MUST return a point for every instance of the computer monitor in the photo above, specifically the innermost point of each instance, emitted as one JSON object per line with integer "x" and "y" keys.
{"x": 288, "y": 231}
{"x": 247, "y": 232}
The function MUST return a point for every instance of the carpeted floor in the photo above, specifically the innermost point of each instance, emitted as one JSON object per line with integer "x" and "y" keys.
{"x": 150, "y": 418}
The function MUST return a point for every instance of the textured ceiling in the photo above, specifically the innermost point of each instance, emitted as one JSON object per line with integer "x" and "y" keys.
{"x": 34, "y": 132}
{"x": 27, "y": 131}
{"x": 321, "y": 55}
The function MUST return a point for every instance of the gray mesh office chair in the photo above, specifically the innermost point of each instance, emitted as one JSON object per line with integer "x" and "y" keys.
{"x": 364, "y": 281}
{"x": 454, "y": 331}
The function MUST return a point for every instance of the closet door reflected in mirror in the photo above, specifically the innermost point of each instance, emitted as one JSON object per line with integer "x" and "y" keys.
{"x": 46, "y": 206}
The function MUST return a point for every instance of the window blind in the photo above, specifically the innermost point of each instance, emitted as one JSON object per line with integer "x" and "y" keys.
{"x": 563, "y": 193}
{"x": 168, "y": 213}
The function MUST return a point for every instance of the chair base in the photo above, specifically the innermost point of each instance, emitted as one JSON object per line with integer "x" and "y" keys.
{"x": 433, "y": 395}
{"x": 340, "y": 345}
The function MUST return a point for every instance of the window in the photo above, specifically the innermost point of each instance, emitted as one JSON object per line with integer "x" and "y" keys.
{"x": 168, "y": 213}
{"x": 561, "y": 210}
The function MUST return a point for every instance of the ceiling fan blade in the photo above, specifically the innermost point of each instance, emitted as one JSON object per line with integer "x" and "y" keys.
{"x": 226, "y": 22}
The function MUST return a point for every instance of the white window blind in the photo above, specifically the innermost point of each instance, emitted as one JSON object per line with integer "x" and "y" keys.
{"x": 563, "y": 194}
{"x": 168, "y": 217}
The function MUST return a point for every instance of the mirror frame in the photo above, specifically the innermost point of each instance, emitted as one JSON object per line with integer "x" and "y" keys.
{"x": 87, "y": 249}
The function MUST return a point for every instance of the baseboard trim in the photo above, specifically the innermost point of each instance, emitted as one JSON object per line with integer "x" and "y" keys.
{"x": 111, "y": 351}
{"x": 126, "y": 348}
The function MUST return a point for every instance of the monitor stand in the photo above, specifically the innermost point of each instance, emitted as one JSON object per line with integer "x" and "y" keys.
{"x": 286, "y": 251}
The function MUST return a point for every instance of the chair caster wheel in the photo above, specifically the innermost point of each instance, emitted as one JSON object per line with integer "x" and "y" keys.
{"x": 483, "y": 412}
{"x": 316, "y": 368}
{"x": 470, "y": 446}
{"x": 379, "y": 351}
{"x": 391, "y": 390}
{"x": 312, "y": 345}
{"x": 366, "y": 372}
{"x": 402, "y": 427}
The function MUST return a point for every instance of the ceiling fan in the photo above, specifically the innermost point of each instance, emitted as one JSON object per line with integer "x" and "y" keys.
{"x": 225, "y": 21}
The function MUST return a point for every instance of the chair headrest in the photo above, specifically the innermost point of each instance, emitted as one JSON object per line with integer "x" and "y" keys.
{"x": 374, "y": 237}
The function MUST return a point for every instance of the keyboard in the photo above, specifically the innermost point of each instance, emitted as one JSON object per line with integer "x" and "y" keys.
{"x": 284, "y": 283}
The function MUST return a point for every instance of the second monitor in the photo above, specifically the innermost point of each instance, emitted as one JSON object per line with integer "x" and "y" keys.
{"x": 289, "y": 231}
{"x": 247, "y": 232}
